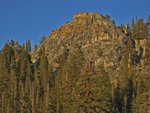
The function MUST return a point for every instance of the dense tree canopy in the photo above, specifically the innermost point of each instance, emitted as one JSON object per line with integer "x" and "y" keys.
{"x": 74, "y": 85}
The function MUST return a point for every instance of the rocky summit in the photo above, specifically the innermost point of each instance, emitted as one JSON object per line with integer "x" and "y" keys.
{"x": 100, "y": 41}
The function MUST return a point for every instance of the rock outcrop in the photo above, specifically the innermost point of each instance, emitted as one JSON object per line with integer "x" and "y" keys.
{"x": 99, "y": 39}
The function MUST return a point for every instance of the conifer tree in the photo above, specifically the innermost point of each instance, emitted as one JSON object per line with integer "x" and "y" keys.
{"x": 44, "y": 76}
{"x": 28, "y": 46}
{"x": 148, "y": 25}
{"x": 141, "y": 31}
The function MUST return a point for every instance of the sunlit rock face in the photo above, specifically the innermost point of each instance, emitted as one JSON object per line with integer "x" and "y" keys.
{"x": 100, "y": 41}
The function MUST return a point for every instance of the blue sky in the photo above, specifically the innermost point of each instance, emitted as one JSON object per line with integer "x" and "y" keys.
{"x": 31, "y": 19}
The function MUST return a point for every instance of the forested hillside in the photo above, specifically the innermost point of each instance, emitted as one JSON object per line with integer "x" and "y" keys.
{"x": 88, "y": 65}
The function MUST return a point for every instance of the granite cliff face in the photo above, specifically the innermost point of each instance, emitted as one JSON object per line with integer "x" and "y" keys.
{"x": 100, "y": 41}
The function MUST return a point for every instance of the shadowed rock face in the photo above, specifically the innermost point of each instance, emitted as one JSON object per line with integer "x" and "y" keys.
{"x": 99, "y": 39}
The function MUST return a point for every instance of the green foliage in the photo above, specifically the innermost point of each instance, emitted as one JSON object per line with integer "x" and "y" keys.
{"x": 140, "y": 30}
{"x": 74, "y": 83}
{"x": 28, "y": 46}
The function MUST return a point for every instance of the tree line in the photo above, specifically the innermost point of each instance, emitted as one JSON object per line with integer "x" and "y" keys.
{"x": 75, "y": 86}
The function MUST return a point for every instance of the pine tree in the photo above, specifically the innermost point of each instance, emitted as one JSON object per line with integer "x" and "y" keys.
{"x": 28, "y": 46}
{"x": 45, "y": 78}
{"x": 148, "y": 25}
{"x": 76, "y": 63}
{"x": 1, "y": 65}
{"x": 118, "y": 100}
{"x": 141, "y": 31}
